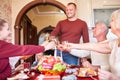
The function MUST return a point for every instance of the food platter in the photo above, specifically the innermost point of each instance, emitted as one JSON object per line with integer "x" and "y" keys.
{"x": 86, "y": 72}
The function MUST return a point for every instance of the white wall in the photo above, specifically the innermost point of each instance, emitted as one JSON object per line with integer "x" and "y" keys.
{"x": 85, "y": 11}
{"x": 98, "y": 4}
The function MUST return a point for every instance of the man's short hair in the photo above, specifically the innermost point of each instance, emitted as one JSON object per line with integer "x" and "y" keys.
{"x": 71, "y": 3}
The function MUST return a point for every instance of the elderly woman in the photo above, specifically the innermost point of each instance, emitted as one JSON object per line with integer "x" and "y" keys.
{"x": 112, "y": 47}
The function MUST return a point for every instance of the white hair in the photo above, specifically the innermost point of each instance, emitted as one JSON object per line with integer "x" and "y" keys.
{"x": 116, "y": 15}
{"x": 103, "y": 27}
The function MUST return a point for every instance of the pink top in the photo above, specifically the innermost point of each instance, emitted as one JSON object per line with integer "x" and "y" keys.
{"x": 9, "y": 50}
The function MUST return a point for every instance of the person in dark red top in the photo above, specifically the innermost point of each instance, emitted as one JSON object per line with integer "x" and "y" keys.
{"x": 71, "y": 30}
{"x": 9, "y": 50}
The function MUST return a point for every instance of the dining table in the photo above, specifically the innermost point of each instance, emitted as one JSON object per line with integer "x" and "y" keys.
{"x": 78, "y": 78}
{"x": 33, "y": 75}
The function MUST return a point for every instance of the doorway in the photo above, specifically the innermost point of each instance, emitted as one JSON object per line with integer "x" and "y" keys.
{"x": 25, "y": 9}
{"x": 25, "y": 31}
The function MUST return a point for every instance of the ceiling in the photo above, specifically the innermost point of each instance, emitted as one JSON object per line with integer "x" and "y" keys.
{"x": 46, "y": 9}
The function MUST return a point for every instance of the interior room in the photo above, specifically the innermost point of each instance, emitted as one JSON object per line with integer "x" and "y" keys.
{"x": 31, "y": 21}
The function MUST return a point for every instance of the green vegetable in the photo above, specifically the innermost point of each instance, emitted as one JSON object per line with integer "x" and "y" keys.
{"x": 40, "y": 68}
{"x": 59, "y": 67}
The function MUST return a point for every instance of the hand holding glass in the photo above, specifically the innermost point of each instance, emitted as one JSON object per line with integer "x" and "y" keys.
{"x": 65, "y": 46}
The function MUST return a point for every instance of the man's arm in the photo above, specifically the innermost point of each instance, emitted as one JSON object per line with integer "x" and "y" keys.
{"x": 85, "y": 33}
{"x": 80, "y": 53}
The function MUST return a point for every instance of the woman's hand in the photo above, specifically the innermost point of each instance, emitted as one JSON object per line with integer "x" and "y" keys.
{"x": 105, "y": 75}
{"x": 19, "y": 67}
{"x": 49, "y": 45}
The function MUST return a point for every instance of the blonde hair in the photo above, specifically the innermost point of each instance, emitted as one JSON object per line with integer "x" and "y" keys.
{"x": 116, "y": 15}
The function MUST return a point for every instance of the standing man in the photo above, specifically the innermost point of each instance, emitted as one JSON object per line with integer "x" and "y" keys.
{"x": 71, "y": 30}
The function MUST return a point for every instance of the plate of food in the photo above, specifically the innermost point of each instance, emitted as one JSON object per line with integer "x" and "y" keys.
{"x": 86, "y": 72}
{"x": 20, "y": 76}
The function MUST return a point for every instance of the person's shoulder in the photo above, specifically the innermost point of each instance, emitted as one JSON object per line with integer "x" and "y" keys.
{"x": 113, "y": 42}
{"x": 1, "y": 41}
{"x": 81, "y": 20}
{"x": 63, "y": 20}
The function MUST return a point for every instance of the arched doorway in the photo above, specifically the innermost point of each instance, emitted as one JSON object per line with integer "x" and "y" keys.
{"x": 28, "y": 7}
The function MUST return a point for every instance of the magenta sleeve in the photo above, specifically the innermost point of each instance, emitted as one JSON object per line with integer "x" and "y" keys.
{"x": 10, "y": 50}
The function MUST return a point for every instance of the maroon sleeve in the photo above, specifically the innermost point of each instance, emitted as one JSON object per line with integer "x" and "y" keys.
{"x": 6, "y": 73}
{"x": 5, "y": 69}
{"x": 10, "y": 50}
{"x": 85, "y": 34}
{"x": 56, "y": 31}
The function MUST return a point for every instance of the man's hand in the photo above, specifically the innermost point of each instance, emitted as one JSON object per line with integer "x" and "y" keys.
{"x": 86, "y": 63}
{"x": 64, "y": 47}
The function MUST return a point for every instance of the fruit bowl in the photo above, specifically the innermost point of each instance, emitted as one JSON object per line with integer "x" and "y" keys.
{"x": 52, "y": 66}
